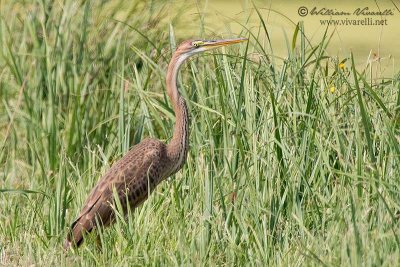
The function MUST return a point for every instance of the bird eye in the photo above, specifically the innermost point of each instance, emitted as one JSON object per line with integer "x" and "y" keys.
{"x": 197, "y": 44}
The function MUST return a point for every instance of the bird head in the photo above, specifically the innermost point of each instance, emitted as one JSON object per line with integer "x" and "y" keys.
{"x": 191, "y": 47}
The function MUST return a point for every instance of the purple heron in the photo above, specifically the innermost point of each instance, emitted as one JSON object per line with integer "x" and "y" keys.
{"x": 136, "y": 174}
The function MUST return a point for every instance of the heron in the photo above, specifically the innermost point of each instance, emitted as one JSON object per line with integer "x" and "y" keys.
{"x": 132, "y": 178}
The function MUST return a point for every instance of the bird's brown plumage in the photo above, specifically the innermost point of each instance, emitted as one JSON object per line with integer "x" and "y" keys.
{"x": 132, "y": 178}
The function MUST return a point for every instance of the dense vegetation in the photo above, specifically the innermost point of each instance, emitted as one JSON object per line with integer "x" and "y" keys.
{"x": 293, "y": 160}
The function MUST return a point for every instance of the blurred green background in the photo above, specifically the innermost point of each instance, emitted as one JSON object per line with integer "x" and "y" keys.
{"x": 368, "y": 43}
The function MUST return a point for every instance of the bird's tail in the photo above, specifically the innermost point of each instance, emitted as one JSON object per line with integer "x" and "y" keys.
{"x": 75, "y": 235}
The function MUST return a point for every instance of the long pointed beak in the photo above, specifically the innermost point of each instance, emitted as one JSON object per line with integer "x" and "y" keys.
{"x": 218, "y": 43}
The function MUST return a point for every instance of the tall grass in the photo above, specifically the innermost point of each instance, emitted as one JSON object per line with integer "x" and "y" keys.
{"x": 292, "y": 161}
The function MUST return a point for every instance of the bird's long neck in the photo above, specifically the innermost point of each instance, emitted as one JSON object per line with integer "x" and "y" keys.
{"x": 178, "y": 147}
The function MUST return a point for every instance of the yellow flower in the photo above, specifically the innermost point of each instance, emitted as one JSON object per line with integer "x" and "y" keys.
{"x": 341, "y": 65}
{"x": 332, "y": 89}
